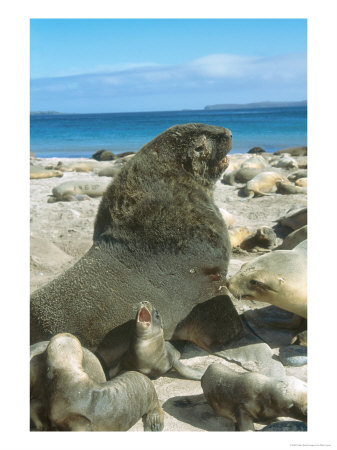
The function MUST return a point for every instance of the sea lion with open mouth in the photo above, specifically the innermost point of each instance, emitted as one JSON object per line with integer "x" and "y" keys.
{"x": 158, "y": 236}
{"x": 148, "y": 352}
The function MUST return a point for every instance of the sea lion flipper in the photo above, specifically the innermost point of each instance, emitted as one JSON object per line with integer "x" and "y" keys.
{"x": 211, "y": 324}
{"x": 187, "y": 372}
{"x": 244, "y": 421}
{"x": 154, "y": 420}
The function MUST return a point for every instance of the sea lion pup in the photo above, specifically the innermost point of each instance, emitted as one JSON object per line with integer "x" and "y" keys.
{"x": 148, "y": 352}
{"x": 250, "y": 396}
{"x": 76, "y": 402}
{"x": 279, "y": 278}
{"x": 38, "y": 373}
{"x": 263, "y": 184}
{"x": 158, "y": 236}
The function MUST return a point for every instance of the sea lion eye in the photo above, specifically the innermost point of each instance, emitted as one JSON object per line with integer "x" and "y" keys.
{"x": 199, "y": 149}
{"x": 258, "y": 284}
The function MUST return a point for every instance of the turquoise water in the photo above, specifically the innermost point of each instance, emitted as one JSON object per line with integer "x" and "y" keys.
{"x": 80, "y": 135}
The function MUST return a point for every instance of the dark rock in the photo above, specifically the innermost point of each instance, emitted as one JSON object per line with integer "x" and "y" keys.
{"x": 252, "y": 354}
{"x": 103, "y": 155}
{"x": 256, "y": 150}
{"x": 293, "y": 355}
{"x": 286, "y": 425}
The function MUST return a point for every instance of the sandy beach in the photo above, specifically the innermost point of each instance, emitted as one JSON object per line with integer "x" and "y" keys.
{"x": 61, "y": 233}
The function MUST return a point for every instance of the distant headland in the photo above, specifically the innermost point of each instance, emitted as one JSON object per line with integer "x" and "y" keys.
{"x": 257, "y": 105}
{"x": 44, "y": 113}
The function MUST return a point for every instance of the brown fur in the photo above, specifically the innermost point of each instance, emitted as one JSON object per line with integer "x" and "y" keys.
{"x": 158, "y": 236}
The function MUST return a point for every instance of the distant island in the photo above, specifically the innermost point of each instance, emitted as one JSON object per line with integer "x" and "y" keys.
{"x": 44, "y": 113}
{"x": 256, "y": 105}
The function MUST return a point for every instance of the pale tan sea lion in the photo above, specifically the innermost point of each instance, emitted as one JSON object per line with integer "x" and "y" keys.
{"x": 69, "y": 190}
{"x": 244, "y": 170}
{"x": 263, "y": 184}
{"x": 284, "y": 162}
{"x": 80, "y": 166}
{"x": 238, "y": 234}
{"x": 158, "y": 236}
{"x": 110, "y": 171}
{"x": 37, "y": 172}
{"x": 76, "y": 402}
{"x": 303, "y": 182}
{"x": 254, "y": 162}
{"x": 148, "y": 352}
{"x": 287, "y": 188}
{"x": 293, "y": 151}
{"x": 248, "y": 397}
{"x": 279, "y": 278}
{"x": 297, "y": 174}
{"x": 227, "y": 217}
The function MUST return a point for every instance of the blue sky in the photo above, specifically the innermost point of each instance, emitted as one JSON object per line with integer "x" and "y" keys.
{"x": 119, "y": 65}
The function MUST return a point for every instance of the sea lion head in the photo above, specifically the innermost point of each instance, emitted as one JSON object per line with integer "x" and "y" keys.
{"x": 197, "y": 148}
{"x": 148, "y": 321}
{"x": 255, "y": 282}
{"x": 278, "y": 278}
{"x": 64, "y": 352}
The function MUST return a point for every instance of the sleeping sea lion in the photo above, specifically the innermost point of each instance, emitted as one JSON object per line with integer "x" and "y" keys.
{"x": 158, "y": 236}
{"x": 279, "y": 278}
{"x": 263, "y": 184}
{"x": 148, "y": 352}
{"x": 37, "y": 172}
{"x": 77, "y": 402}
{"x": 302, "y": 182}
{"x": 250, "y": 396}
{"x": 287, "y": 188}
{"x": 73, "y": 190}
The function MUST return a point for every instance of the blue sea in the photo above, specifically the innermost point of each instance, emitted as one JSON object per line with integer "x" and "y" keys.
{"x": 80, "y": 135}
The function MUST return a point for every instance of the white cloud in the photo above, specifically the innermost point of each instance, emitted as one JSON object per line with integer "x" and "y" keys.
{"x": 217, "y": 72}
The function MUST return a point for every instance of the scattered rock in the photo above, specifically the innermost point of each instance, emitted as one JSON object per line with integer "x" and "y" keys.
{"x": 293, "y": 355}
{"x": 286, "y": 425}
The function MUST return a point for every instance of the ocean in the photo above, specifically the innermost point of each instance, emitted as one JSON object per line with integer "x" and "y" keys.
{"x": 80, "y": 135}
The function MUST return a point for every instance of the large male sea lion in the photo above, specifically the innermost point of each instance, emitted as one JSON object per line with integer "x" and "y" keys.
{"x": 279, "y": 278}
{"x": 248, "y": 397}
{"x": 158, "y": 237}
{"x": 148, "y": 352}
{"x": 75, "y": 401}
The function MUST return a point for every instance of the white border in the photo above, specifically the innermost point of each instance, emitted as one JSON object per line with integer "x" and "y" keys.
{"x": 322, "y": 77}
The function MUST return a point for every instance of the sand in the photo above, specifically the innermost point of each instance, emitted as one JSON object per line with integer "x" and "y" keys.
{"x": 61, "y": 233}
